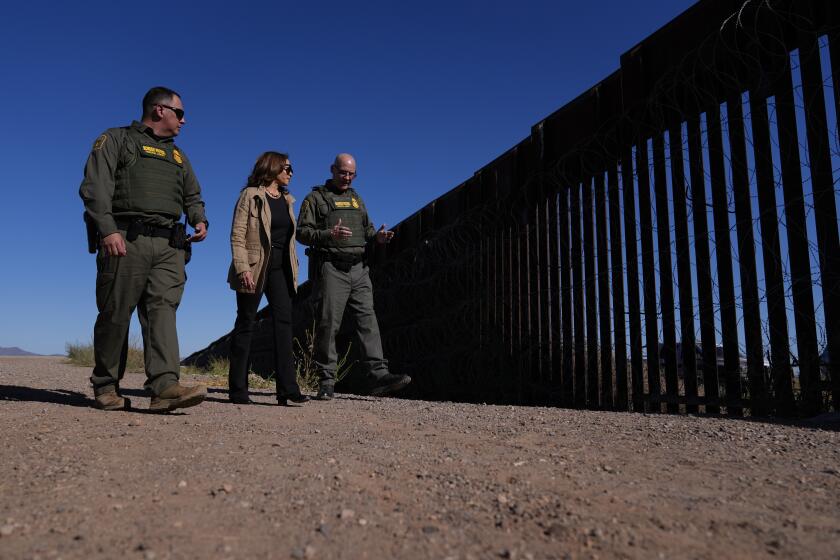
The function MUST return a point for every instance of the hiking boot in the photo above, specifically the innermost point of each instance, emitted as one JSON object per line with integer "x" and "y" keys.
{"x": 388, "y": 383}
{"x": 178, "y": 396}
{"x": 109, "y": 399}
{"x": 325, "y": 393}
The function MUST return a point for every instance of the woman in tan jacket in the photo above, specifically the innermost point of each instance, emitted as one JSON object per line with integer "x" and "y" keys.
{"x": 262, "y": 240}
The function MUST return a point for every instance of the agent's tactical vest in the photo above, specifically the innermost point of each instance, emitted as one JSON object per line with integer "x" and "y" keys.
{"x": 150, "y": 177}
{"x": 349, "y": 208}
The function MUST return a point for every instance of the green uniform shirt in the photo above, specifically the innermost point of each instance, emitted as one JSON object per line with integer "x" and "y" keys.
{"x": 97, "y": 189}
{"x": 314, "y": 221}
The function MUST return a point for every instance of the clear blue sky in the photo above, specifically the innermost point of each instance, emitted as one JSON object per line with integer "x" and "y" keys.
{"x": 423, "y": 94}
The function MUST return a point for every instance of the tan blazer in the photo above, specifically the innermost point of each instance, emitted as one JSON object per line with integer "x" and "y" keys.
{"x": 250, "y": 239}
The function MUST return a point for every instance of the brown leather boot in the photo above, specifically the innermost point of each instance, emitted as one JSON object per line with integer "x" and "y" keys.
{"x": 109, "y": 399}
{"x": 178, "y": 396}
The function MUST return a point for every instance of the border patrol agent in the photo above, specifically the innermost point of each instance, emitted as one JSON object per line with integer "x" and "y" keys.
{"x": 137, "y": 184}
{"x": 334, "y": 223}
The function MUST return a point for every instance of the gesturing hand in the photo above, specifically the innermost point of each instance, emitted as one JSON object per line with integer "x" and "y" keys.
{"x": 113, "y": 245}
{"x": 384, "y": 235}
{"x": 339, "y": 231}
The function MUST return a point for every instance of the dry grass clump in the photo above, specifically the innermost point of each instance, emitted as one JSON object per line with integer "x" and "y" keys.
{"x": 216, "y": 374}
{"x": 305, "y": 370}
{"x": 80, "y": 354}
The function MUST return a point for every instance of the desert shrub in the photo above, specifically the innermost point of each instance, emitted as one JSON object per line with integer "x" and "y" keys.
{"x": 304, "y": 353}
{"x": 80, "y": 354}
{"x": 217, "y": 371}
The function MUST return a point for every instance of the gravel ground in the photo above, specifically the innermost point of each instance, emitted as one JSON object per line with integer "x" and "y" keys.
{"x": 363, "y": 477}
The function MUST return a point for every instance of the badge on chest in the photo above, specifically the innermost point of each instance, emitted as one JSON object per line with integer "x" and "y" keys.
{"x": 346, "y": 203}
{"x": 160, "y": 153}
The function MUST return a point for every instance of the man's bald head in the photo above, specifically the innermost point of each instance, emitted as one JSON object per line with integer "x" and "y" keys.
{"x": 343, "y": 171}
{"x": 344, "y": 159}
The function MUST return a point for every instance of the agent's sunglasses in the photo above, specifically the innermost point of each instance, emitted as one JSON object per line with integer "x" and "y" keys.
{"x": 179, "y": 113}
{"x": 288, "y": 169}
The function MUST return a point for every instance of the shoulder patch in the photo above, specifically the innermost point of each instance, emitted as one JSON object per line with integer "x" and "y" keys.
{"x": 100, "y": 142}
{"x": 176, "y": 155}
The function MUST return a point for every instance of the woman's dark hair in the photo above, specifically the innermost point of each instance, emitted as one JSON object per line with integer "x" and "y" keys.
{"x": 267, "y": 168}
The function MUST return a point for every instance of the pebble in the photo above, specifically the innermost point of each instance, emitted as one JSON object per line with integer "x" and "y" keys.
{"x": 182, "y": 484}
{"x": 7, "y": 530}
{"x": 346, "y": 514}
{"x": 301, "y": 553}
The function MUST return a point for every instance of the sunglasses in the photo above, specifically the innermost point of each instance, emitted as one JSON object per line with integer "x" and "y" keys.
{"x": 287, "y": 168}
{"x": 179, "y": 113}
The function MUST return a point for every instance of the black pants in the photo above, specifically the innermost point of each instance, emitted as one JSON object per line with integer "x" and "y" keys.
{"x": 278, "y": 289}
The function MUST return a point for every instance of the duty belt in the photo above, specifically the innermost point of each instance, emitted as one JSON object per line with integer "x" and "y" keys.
{"x": 135, "y": 228}
{"x": 341, "y": 262}
{"x": 335, "y": 257}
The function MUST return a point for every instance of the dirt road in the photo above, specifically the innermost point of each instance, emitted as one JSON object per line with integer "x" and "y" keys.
{"x": 364, "y": 477}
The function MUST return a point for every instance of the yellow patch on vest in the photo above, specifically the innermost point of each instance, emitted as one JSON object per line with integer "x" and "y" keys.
{"x": 100, "y": 142}
{"x": 354, "y": 202}
{"x": 151, "y": 150}
{"x": 342, "y": 204}
{"x": 176, "y": 155}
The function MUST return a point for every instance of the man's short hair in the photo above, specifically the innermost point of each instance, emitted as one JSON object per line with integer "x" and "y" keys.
{"x": 157, "y": 96}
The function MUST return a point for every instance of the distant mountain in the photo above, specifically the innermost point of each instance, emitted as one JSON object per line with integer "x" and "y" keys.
{"x": 15, "y": 351}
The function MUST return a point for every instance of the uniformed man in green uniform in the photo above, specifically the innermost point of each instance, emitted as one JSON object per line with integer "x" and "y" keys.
{"x": 334, "y": 223}
{"x": 137, "y": 184}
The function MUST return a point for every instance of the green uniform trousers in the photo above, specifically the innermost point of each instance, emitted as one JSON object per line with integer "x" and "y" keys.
{"x": 336, "y": 291}
{"x": 150, "y": 277}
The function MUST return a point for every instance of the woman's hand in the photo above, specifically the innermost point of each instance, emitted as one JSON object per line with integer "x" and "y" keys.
{"x": 247, "y": 281}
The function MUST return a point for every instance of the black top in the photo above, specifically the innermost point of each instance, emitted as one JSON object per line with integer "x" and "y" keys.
{"x": 281, "y": 223}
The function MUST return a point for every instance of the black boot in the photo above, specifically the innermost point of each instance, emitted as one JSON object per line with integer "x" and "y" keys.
{"x": 325, "y": 393}
{"x": 298, "y": 399}
{"x": 388, "y": 383}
